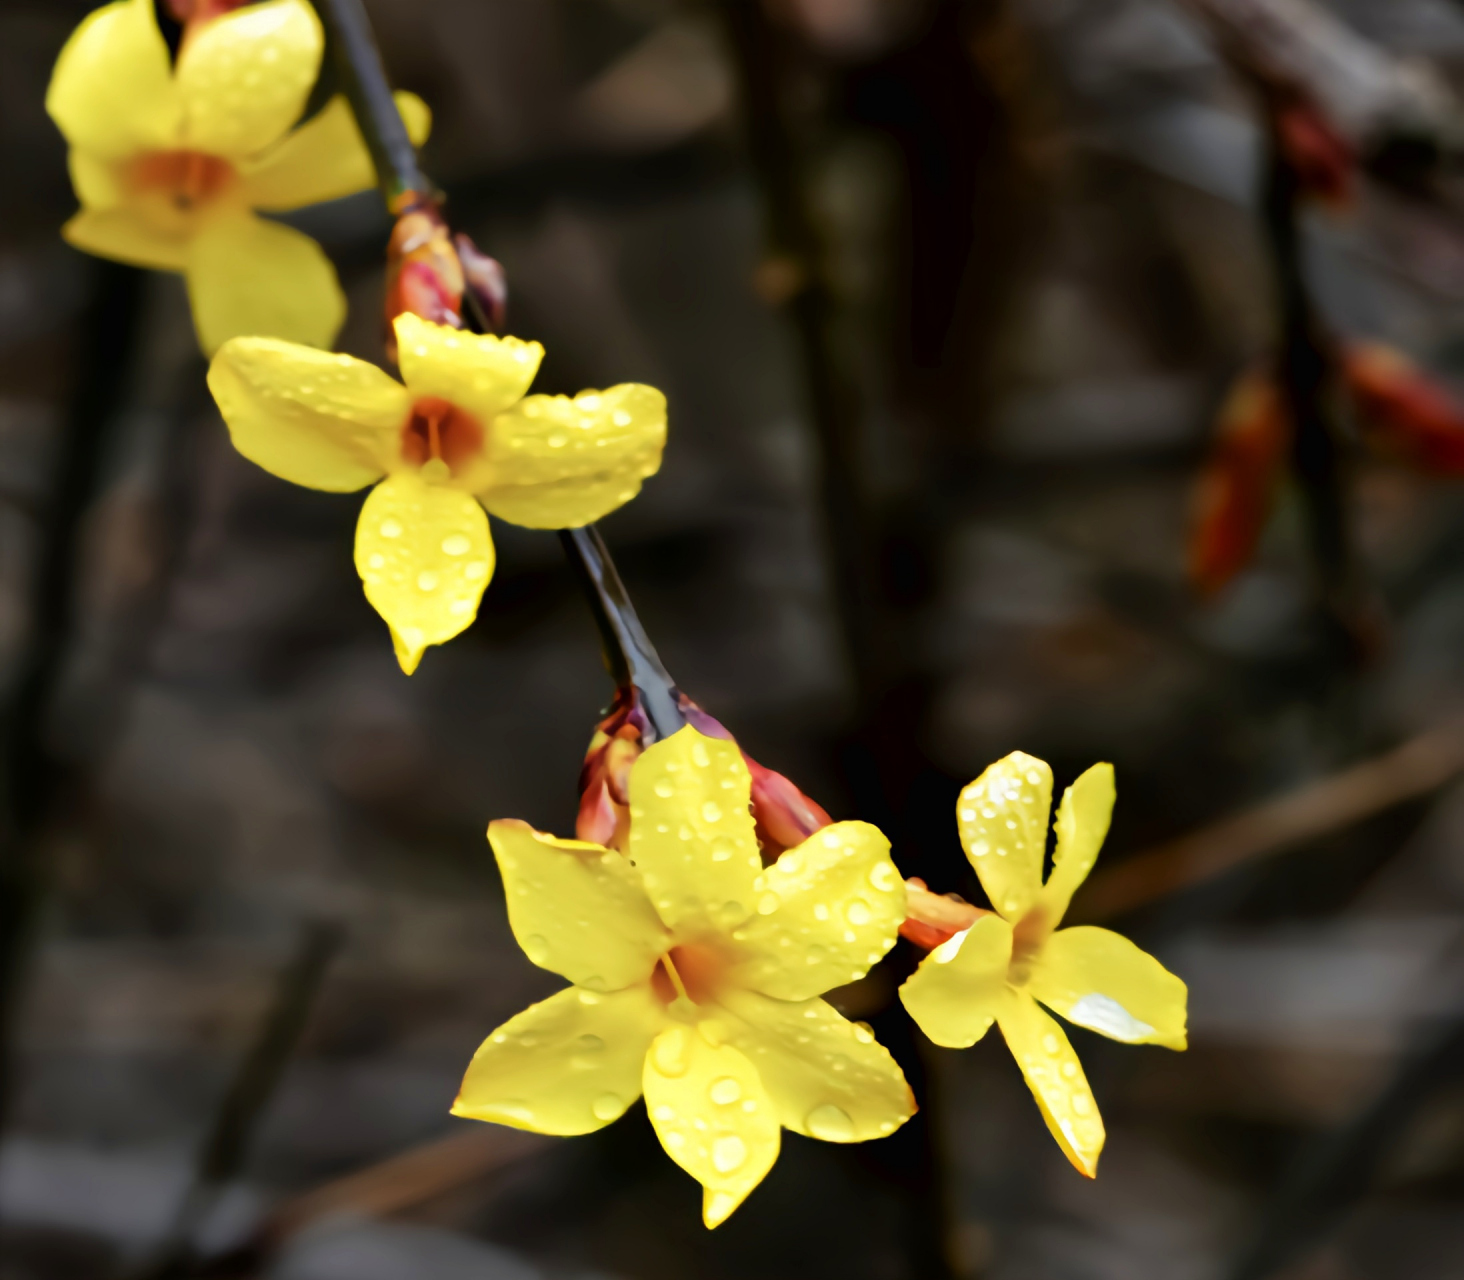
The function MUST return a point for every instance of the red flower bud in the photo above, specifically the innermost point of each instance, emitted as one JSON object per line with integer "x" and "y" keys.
{"x": 1321, "y": 158}
{"x": 423, "y": 274}
{"x": 933, "y": 918}
{"x": 1403, "y": 410}
{"x": 1233, "y": 497}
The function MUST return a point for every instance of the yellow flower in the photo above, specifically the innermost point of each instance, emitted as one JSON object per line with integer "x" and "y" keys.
{"x": 460, "y": 436}
{"x": 999, "y": 968}
{"x": 169, "y": 163}
{"x": 696, "y": 975}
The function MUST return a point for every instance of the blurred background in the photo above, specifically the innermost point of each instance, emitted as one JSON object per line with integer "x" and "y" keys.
{"x": 945, "y": 296}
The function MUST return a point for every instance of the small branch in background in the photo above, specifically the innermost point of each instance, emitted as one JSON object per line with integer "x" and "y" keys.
{"x": 1417, "y": 768}
{"x": 794, "y": 273}
{"x": 1340, "y": 1167}
{"x": 224, "y": 1150}
{"x": 1308, "y": 375}
{"x": 28, "y": 772}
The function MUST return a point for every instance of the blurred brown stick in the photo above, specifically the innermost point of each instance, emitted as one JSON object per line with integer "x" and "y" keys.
{"x": 1418, "y": 767}
{"x": 403, "y": 1181}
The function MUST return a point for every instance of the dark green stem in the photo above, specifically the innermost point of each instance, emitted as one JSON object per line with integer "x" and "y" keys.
{"x": 629, "y": 655}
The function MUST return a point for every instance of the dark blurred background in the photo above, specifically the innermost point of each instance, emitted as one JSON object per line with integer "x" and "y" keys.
{"x": 944, "y": 295}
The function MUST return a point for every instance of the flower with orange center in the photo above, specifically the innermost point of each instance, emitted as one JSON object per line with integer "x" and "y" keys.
{"x": 171, "y": 162}
{"x": 696, "y": 975}
{"x": 1006, "y": 962}
{"x": 459, "y": 437}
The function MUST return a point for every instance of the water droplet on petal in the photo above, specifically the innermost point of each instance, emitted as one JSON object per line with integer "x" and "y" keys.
{"x": 1049, "y": 1042}
{"x": 1081, "y": 1105}
{"x": 456, "y": 544}
{"x": 536, "y": 947}
{"x": 590, "y": 1044}
{"x": 857, "y": 912}
{"x": 427, "y": 580}
{"x": 664, "y": 788}
{"x": 768, "y": 903}
{"x": 724, "y": 1091}
{"x": 883, "y": 876}
{"x": 391, "y": 528}
{"x": 830, "y": 1123}
{"x": 663, "y": 1113}
{"x": 608, "y": 1106}
{"x": 711, "y": 811}
{"x": 668, "y": 1054}
{"x": 729, "y": 1152}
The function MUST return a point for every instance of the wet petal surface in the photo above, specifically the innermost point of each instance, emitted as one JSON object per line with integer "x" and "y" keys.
{"x": 1002, "y": 818}
{"x": 1100, "y": 980}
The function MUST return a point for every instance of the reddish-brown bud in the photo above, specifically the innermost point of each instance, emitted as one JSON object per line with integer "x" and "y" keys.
{"x": 1403, "y": 410}
{"x": 1323, "y": 161}
{"x": 784, "y": 816}
{"x": 933, "y": 918}
{"x": 486, "y": 283}
{"x": 1233, "y": 498}
{"x": 423, "y": 274}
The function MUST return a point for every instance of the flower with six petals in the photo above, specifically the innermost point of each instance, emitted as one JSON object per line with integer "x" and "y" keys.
{"x": 1004, "y": 964}
{"x": 460, "y": 436}
{"x": 171, "y": 162}
{"x": 696, "y": 974}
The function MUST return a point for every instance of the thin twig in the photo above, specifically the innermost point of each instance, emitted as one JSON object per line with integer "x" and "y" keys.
{"x": 28, "y": 771}
{"x": 1417, "y": 768}
{"x": 221, "y": 1155}
{"x": 797, "y": 258}
{"x": 629, "y": 654}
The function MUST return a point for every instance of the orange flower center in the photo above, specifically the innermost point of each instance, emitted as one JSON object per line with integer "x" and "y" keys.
{"x": 439, "y": 429}
{"x": 694, "y": 971}
{"x": 187, "y": 178}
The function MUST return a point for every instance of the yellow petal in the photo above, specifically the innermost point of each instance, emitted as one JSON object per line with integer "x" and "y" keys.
{"x": 243, "y": 78}
{"x": 424, "y": 555}
{"x": 956, "y": 992}
{"x": 325, "y": 421}
{"x": 570, "y": 1064}
{"x": 479, "y": 373}
{"x": 249, "y": 276}
{"x": 577, "y": 909}
{"x": 1102, "y": 981}
{"x": 559, "y": 463}
{"x": 1056, "y": 1078}
{"x": 712, "y": 1115}
{"x": 1003, "y": 821}
{"x": 1082, "y": 826}
{"x": 94, "y": 180}
{"x": 829, "y": 1078}
{"x": 691, "y": 833}
{"x": 124, "y": 234}
{"x": 324, "y": 159}
{"x": 112, "y": 92}
{"x": 827, "y": 910}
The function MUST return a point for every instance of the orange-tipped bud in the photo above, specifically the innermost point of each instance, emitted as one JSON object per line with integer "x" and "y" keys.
{"x": 1323, "y": 161}
{"x": 197, "y": 12}
{"x": 1403, "y": 410}
{"x": 1235, "y": 490}
{"x": 933, "y": 918}
{"x": 784, "y": 815}
{"x": 423, "y": 273}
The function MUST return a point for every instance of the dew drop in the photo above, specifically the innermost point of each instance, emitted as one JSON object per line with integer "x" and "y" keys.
{"x": 729, "y": 1152}
{"x": 768, "y": 903}
{"x": 608, "y": 1106}
{"x": 590, "y": 1044}
{"x": 711, "y": 811}
{"x": 456, "y": 544}
{"x": 558, "y": 441}
{"x": 830, "y": 1123}
{"x": 883, "y": 876}
{"x": 391, "y": 528}
{"x": 725, "y": 1091}
{"x": 1081, "y": 1105}
{"x": 668, "y": 1054}
{"x": 863, "y": 1033}
{"x": 820, "y": 911}
{"x": 1049, "y": 1042}
{"x": 427, "y": 580}
{"x": 475, "y": 569}
{"x": 536, "y": 947}
{"x": 857, "y": 912}
{"x": 663, "y": 1113}
{"x": 699, "y": 756}
{"x": 1069, "y": 1070}
{"x": 376, "y": 560}
{"x": 664, "y": 788}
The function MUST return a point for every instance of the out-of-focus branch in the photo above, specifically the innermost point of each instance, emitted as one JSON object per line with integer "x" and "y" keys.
{"x": 28, "y": 772}
{"x": 1372, "y": 95}
{"x": 1417, "y": 768}
{"x": 794, "y": 273}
